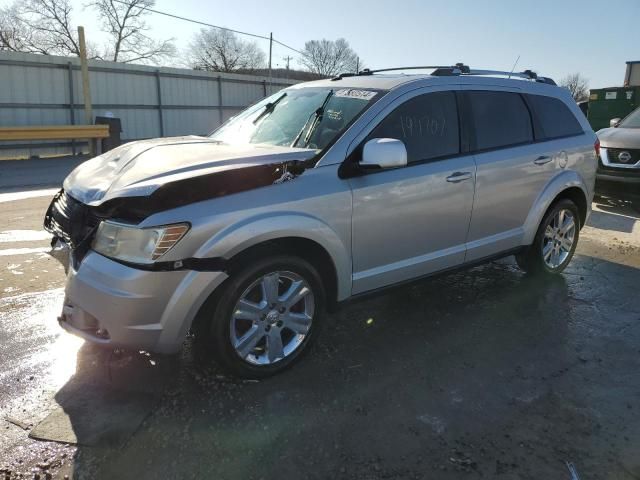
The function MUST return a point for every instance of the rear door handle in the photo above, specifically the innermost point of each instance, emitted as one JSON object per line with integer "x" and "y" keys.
{"x": 458, "y": 177}
{"x": 541, "y": 160}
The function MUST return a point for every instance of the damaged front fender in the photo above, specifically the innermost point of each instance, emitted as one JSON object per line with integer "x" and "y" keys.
{"x": 230, "y": 242}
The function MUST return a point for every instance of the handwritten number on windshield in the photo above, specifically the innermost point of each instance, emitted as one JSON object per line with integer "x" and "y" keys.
{"x": 422, "y": 126}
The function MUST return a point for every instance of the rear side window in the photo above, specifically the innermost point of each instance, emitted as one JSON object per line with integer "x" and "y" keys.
{"x": 556, "y": 120}
{"x": 499, "y": 119}
{"x": 427, "y": 124}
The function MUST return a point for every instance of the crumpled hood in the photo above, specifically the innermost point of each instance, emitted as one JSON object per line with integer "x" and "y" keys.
{"x": 138, "y": 169}
{"x": 619, "y": 137}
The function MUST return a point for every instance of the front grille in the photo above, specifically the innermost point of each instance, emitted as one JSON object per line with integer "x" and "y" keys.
{"x": 617, "y": 171}
{"x": 613, "y": 155}
{"x": 72, "y": 222}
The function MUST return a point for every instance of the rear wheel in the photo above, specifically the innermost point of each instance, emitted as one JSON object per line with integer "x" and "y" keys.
{"x": 263, "y": 318}
{"x": 555, "y": 241}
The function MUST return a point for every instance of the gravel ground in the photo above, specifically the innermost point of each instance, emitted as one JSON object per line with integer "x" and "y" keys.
{"x": 483, "y": 373}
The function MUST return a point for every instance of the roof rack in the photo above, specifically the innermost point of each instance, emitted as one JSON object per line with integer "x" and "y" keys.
{"x": 366, "y": 71}
{"x": 457, "y": 69}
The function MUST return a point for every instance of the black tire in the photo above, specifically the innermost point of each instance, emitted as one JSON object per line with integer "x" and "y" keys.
{"x": 212, "y": 327}
{"x": 531, "y": 259}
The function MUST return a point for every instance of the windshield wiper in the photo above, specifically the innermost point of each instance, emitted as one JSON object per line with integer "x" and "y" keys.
{"x": 269, "y": 107}
{"x": 317, "y": 118}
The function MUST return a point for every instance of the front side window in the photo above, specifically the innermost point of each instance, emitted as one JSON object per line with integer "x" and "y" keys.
{"x": 309, "y": 117}
{"x": 427, "y": 124}
{"x": 555, "y": 117}
{"x": 499, "y": 119}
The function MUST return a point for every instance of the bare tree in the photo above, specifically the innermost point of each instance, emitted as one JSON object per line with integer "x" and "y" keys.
{"x": 123, "y": 21}
{"x": 39, "y": 26}
{"x": 328, "y": 58}
{"x": 13, "y": 36}
{"x": 577, "y": 85}
{"x": 46, "y": 27}
{"x": 222, "y": 51}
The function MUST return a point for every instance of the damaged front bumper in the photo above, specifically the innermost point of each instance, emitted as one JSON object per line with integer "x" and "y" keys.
{"x": 61, "y": 252}
{"x": 115, "y": 305}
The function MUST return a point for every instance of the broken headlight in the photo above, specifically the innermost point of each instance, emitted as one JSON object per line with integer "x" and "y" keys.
{"x": 136, "y": 245}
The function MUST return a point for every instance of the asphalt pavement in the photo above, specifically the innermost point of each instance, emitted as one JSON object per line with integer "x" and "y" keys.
{"x": 20, "y": 175}
{"x": 478, "y": 374}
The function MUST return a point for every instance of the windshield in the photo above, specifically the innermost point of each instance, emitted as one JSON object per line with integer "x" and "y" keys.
{"x": 303, "y": 117}
{"x": 632, "y": 120}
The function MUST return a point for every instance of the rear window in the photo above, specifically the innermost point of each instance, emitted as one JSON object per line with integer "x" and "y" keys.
{"x": 499, "y": 119}
{"x": 556, "y": 120}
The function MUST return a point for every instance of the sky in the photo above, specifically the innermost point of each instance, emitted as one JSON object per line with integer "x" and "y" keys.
{"x": 552, "y": 37}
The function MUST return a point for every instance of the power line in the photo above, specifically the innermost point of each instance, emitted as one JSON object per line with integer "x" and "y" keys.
{"x": 287, "y": 46}
{"x": 178, "y": 17}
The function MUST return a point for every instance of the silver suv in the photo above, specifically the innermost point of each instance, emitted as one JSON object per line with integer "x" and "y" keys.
{"x": 324, "y": 191}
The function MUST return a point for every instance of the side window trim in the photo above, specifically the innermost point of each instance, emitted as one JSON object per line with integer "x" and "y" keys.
{"x": 532, "y": 118}
{"x": 538, "y": 129}
{"x": 571, "y": 135}
{"x": 467, "y": 133}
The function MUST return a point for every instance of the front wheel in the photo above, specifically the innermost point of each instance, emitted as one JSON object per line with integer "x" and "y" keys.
{"x": 555, "y": 241}
{"x": 263, "y": 318}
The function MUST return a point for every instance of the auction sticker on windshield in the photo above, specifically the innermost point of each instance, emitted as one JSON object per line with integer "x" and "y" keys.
{"x": 355, "y": 93}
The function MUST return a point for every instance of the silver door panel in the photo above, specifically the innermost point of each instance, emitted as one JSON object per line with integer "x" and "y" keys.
{"x": 409, "y": 222}
{"x": 508, "y": 181}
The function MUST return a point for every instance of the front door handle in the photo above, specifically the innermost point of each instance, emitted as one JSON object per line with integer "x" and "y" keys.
{"x": 541, "y": 160}
{"x": 458, "y": 177}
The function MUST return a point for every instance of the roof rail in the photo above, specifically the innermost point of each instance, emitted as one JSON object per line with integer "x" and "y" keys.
{"x": 527, "y": 75}
{"x": 457, "y": 69}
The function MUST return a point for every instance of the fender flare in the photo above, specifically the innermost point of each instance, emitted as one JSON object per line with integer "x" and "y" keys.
{"x": 252, "y": 231}
{"x": 561, "y": 182}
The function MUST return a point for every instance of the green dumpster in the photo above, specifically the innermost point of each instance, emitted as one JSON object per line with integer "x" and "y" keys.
{"x": 608, "y": 103}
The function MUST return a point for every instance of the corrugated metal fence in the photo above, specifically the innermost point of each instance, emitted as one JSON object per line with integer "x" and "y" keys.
{"x": 150, "y": 101}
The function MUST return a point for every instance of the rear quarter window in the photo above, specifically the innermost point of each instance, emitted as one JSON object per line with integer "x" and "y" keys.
{"x": 499, "y": 119}
{"x": 554, "y": 117}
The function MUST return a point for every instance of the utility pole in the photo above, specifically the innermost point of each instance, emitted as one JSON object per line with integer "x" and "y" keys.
{"x": 270, "y": 55}
{"x": 288, "y": 59}
{"x": 86, "y": 90}
{"x": 357, "y": 64}
{"x": 84, "y": 67}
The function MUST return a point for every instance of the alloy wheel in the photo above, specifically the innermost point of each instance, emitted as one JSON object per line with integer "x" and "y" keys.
{"x": 272, "y": 318}
{"x": 559, "y": 237}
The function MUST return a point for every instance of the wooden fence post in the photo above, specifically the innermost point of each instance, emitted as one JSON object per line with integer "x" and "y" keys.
{"x": 86, "y": 89}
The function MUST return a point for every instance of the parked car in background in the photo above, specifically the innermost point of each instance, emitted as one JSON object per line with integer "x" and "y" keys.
{"x": 322, "y": 192}
{"x": 619, "y": 163}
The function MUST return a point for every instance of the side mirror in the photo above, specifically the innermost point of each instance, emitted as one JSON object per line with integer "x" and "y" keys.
{"x": 614, "y": 122}
{"x": 384, "y": 153}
